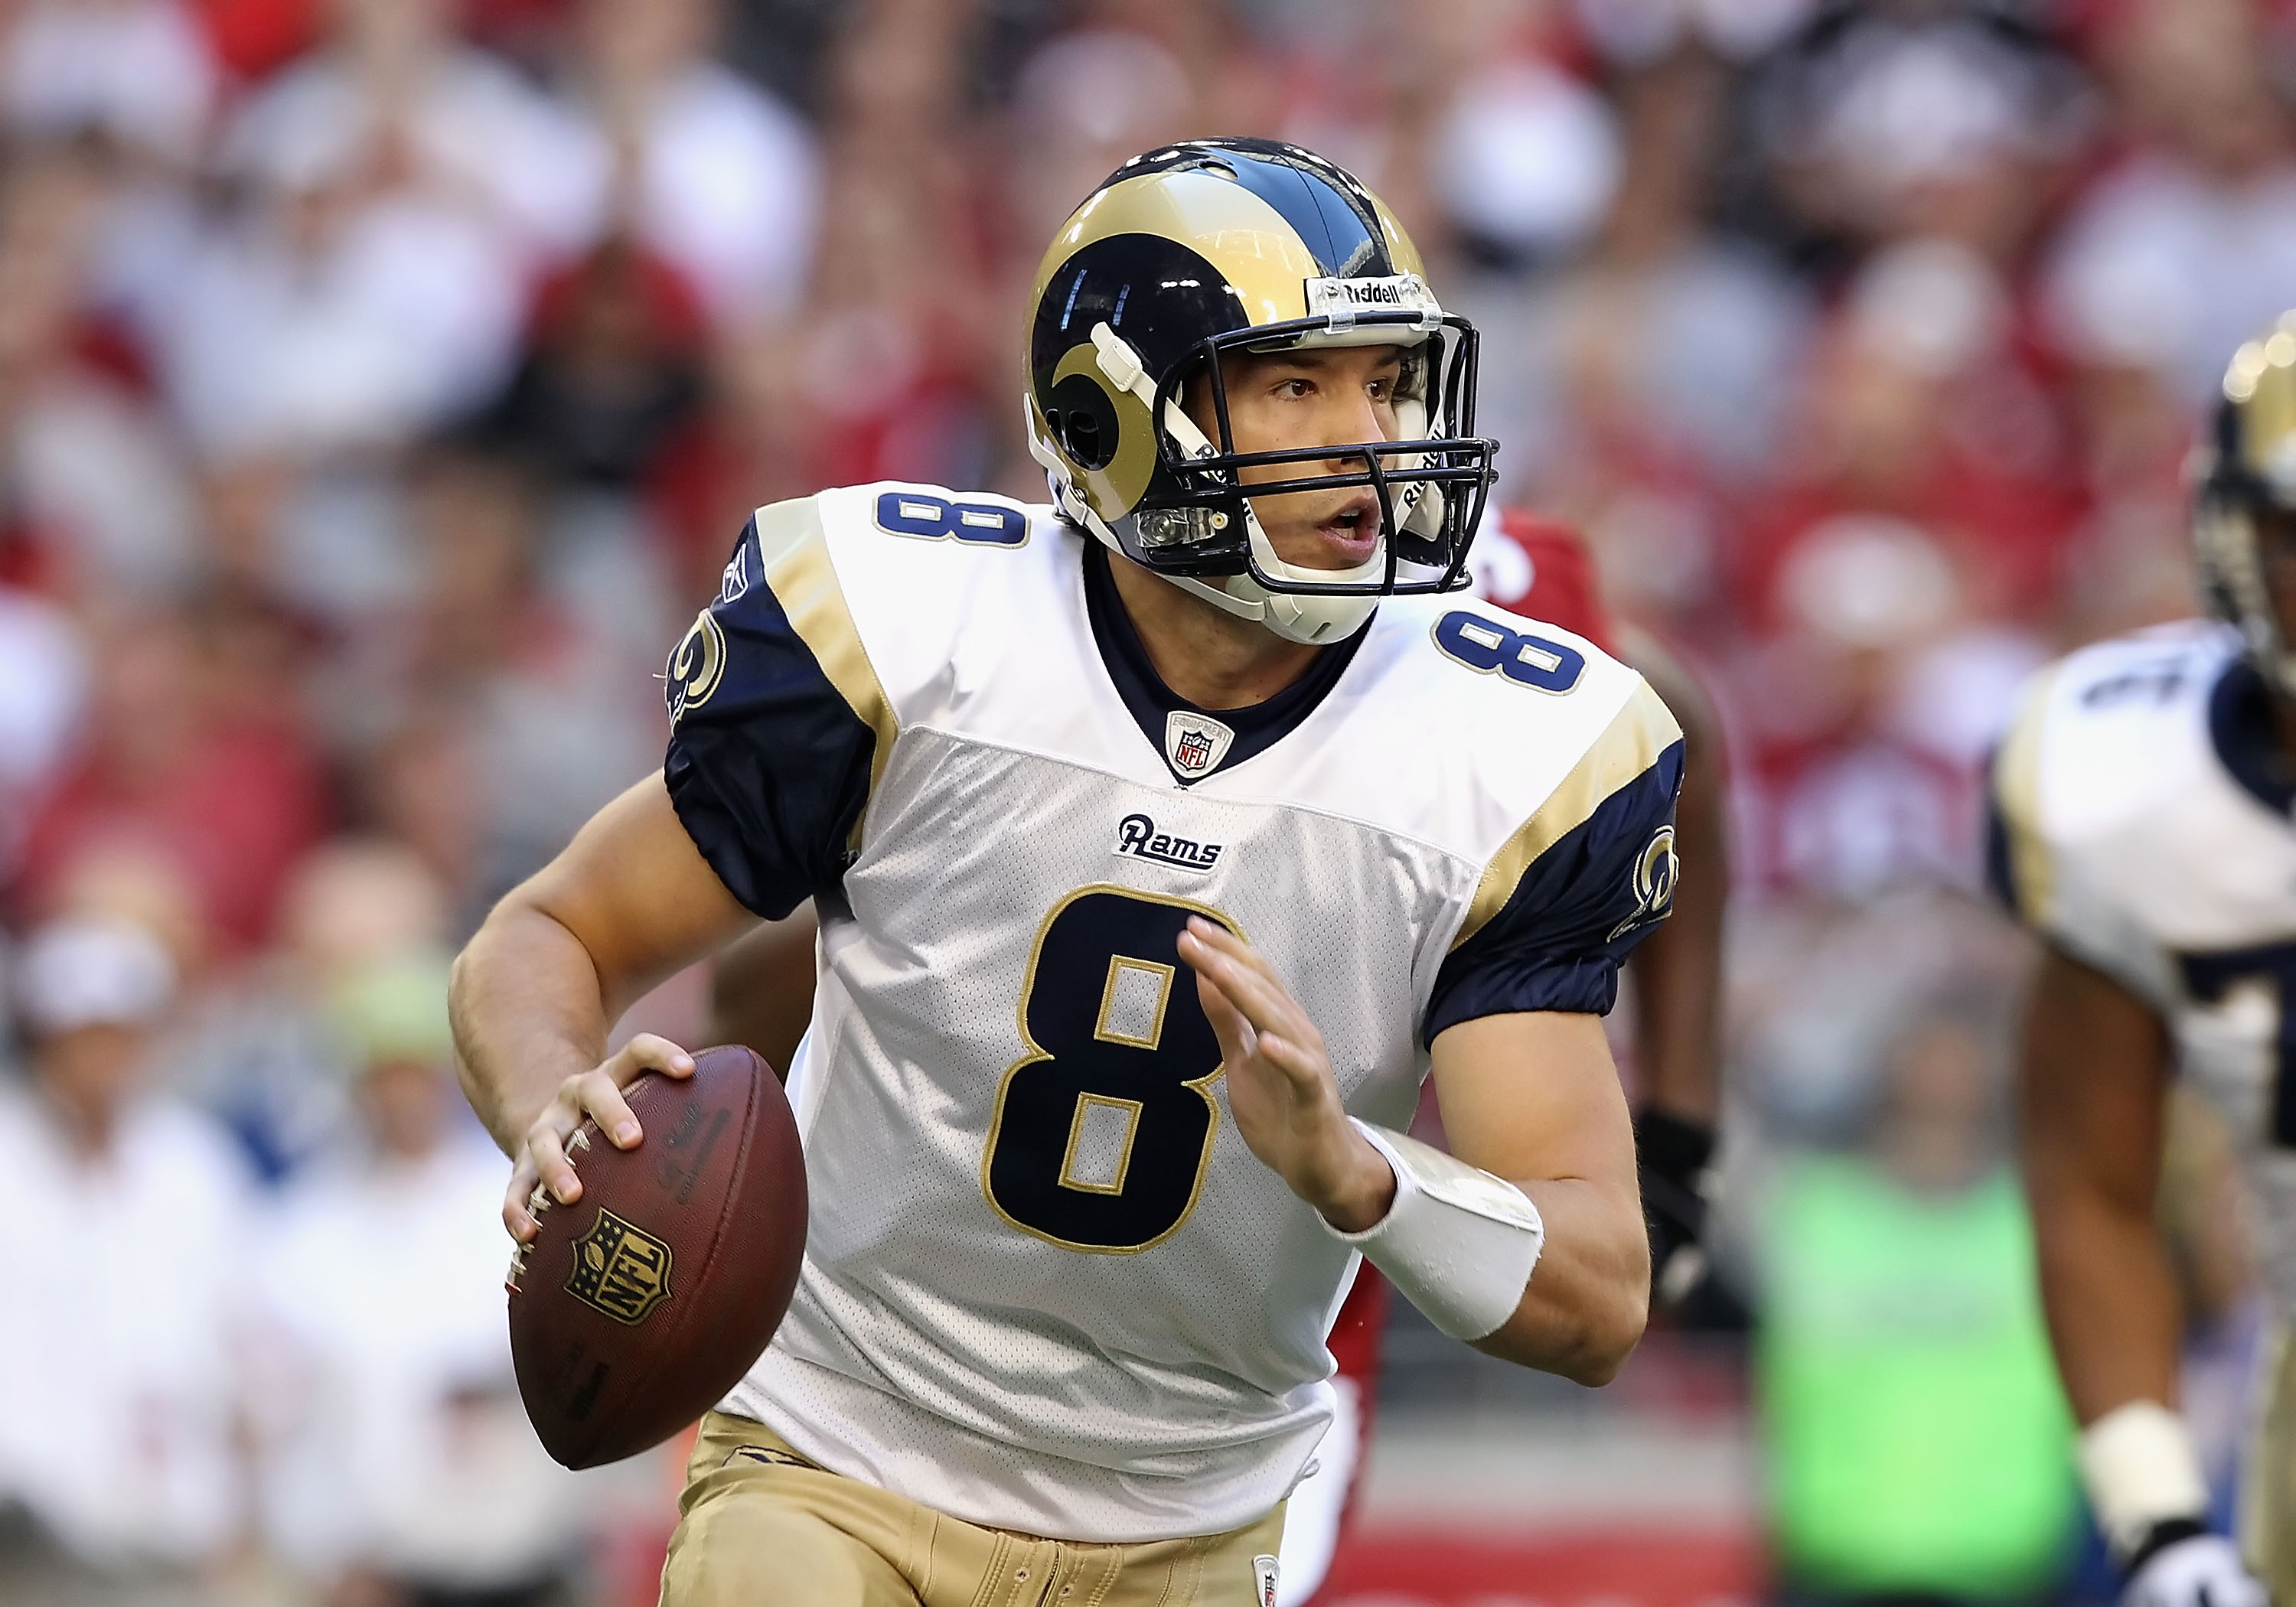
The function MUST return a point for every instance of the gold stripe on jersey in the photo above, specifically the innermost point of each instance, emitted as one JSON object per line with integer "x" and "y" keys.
{"x": 2017, "y": 792}
{"x": 795, "y": 555}
{"x": 1643, "y": 728}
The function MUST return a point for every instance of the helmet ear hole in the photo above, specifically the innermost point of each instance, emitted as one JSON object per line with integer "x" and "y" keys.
{"x": 1083, "y": 420}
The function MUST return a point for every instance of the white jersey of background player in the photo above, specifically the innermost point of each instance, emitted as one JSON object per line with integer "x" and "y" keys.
{"x": 2142, "y": 802}
{"x": 1078, "y": 926}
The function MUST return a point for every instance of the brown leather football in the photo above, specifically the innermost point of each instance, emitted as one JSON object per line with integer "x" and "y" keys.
{"x": 638, "y": 1305}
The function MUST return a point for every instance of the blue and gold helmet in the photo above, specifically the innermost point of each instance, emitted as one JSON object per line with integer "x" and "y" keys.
{"x": 2248, "y": 471}
{"x": 1221, "y": 245}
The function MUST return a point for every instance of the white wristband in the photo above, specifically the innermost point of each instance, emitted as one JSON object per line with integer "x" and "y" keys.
{"x": 1458, "y": 1241}
{"x": 2141, "y": 1469}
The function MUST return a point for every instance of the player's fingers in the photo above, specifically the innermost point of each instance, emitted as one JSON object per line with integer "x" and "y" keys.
{"x": 1237, "y": 1040}
{"x": 516, "y": 1218}
{"x": 598, "y": 1096}
{"x": 1304, "y": 1067}
{"x": 1218, "y": 938}
{"x": 649, "y": 1051}
{"x": 1258, "y": 994}
{"x": 547, "y": 1151}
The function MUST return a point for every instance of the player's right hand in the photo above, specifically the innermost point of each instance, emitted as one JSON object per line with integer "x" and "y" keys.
{"x": 595, "y": 1096}
{"x": 2199, "y": 1570}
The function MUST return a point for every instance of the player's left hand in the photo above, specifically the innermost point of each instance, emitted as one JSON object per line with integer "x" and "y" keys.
{"x": 1280, "y": 1086}
{"x": 2199, "y": 1570}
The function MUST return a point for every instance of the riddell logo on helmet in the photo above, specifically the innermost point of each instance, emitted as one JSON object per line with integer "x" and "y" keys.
{"x": 1397, "y": 293}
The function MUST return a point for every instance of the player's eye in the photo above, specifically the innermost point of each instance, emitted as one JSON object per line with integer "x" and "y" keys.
{"x": 1292, "y": 390}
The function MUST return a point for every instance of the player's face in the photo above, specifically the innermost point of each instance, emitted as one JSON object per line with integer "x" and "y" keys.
{"x": 1330, "y": 398}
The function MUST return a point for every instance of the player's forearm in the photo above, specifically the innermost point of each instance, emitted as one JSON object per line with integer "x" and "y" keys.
{"x": 2094, "y": 1079}
{"x": 1588, "y": 1297}
{"x": 528, "y": 1011}
{"x": 1535, "y": 1099}
{"x": 2110, "y": 1298}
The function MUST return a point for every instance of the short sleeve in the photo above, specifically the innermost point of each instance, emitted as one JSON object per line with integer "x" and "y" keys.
{"x": 779, "y": 727}
{"x": 1577, "y": 887}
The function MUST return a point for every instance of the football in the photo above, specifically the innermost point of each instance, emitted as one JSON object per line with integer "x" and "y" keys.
{"x": 638, "y": 1305}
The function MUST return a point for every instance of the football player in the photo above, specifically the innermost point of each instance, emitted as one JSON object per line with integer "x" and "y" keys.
{"x": 2142, "y": 805}
{"x": 1196, "y": 800}
{"x": 762, "y": 994}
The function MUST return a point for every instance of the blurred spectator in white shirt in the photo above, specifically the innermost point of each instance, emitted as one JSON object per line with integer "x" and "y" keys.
{"x": 394, "y": 87}
{"x": 2189, "y": 246}
{"x": 400, "y": 1466}
{"x": 137, "y": 71}
{"x": 321, "y": 320}
{"x": 404, "y": 188}
{"x": 91, "y": 476}
{"x": 127, "y": 1239}
{"x": 714, "y": 174}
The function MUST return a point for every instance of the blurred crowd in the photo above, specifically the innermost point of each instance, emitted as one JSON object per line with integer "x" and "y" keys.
{"x": 383, "y": 383}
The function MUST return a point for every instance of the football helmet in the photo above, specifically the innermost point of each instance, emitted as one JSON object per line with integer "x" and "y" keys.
{"x": 1214, "y": 246}
{"x": 2248, "y": 468}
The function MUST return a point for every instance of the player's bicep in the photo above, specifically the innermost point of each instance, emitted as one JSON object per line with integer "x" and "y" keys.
{"x": 2094, "y": 1080}
{"x": 1534, "y": 1095}
{"x": 634, "y": 891}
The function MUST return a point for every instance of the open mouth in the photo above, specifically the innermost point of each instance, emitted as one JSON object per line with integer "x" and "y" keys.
{"x": 1352, "y": 531}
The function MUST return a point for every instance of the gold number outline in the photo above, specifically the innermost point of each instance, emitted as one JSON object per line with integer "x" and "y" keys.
{"x": 1201, "y": 1087}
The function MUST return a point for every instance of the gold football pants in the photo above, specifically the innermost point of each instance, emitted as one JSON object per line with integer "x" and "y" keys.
{"x": 2267, "y": 1516}
{"x": 759, "y": 1526}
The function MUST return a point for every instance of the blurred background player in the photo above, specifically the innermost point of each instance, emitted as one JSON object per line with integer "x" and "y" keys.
{"x": 2141, "y": 829}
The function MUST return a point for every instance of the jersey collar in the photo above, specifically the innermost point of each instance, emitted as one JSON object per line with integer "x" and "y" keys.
{"x": 1161, "y": 714}
{"x": 2247, "y": 739}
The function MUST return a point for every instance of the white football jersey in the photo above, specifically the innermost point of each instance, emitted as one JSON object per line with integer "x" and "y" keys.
{"x": 2139, "y": 827}
{"x": 1047, "y": 1287}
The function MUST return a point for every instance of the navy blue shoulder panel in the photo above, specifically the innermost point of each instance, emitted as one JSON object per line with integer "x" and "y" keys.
{"x": 1580, "y": 909}
{"x": 768, "y": 764}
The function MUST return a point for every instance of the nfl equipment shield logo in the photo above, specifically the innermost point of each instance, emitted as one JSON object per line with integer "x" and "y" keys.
{"x": 1263, "y": 1570}
{"x": 1194, "y": 743}
{"x": 620, "y": 1270}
